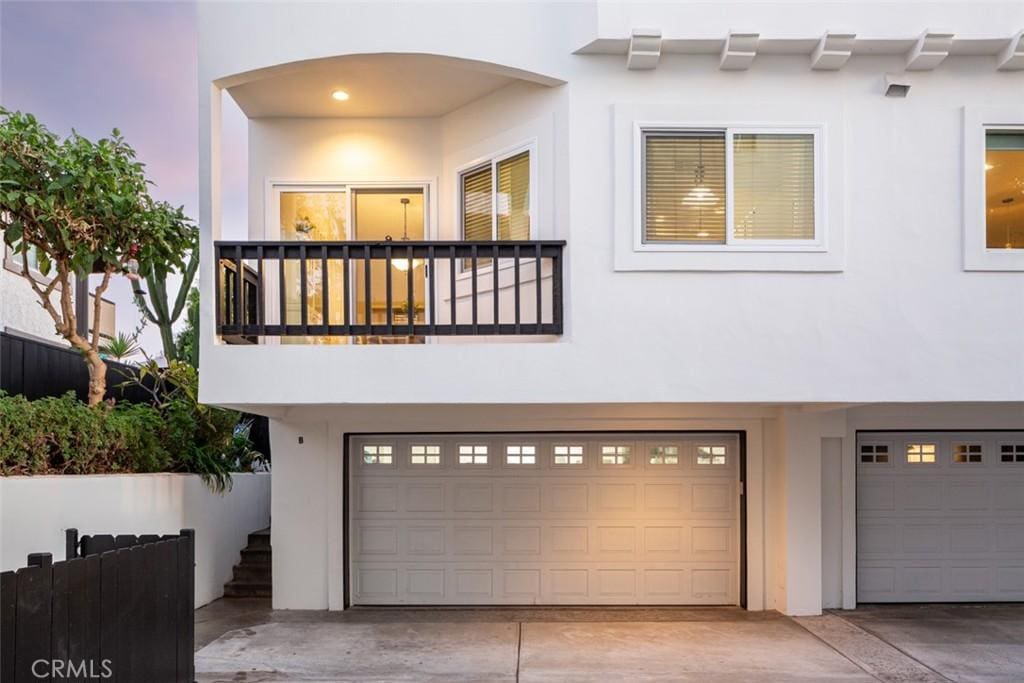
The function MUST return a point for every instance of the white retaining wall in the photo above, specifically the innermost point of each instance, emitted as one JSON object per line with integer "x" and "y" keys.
{"x": 35, "y": 511}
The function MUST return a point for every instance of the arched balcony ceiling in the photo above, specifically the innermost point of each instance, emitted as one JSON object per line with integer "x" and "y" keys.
{"x": 378, "y": 85}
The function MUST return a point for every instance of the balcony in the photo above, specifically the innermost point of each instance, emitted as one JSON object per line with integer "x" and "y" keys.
{"x": 387, "y": 292}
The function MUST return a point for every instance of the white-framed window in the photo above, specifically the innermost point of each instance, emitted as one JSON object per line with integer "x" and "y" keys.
{"x": 729, "y": 188}
{"x": 424, "y": 454}
{"x": 567, "y": 454}
{"x": 993, "y": 199}
{"x": 496, "y": 199}
{"x": 921, "y": 453}
{"x": 663, "y": 455}
{"x": 616, "y": 454}
{"x": 967, "y": 453}
{"x": 1004, "y": 188}
{"x": 378, "y": 454}
{"x": 711, "y": 455}
{"x": 1011, "y": 452}
{"x": 520, "y": 454}
{"x": 875, "y": 454}
{"x": 473, "y": 454}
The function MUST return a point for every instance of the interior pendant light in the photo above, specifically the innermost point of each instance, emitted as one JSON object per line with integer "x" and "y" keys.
{"x": 700, "y": 195}
{"x": 401, "y": 263}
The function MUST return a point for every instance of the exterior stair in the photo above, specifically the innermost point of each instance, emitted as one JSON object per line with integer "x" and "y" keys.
{"x": 252, "y": 577}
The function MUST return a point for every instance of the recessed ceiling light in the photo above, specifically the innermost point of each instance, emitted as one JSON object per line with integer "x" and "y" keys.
{"x": 340, "y": 95}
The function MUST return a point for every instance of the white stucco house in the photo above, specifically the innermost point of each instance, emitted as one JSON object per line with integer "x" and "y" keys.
{"x": 626, "y": 303}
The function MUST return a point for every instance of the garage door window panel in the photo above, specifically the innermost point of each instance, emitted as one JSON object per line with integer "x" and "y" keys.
{"x": 379, "y": 454}
{"x": 921, "y": 453}
{"x": 473, "y": 455}
{"x": 616, "y": 455}
{"x": 966, "y": 453}
{"x": 568, "y": 455}
{"x": 874, "y": 454}
{"x": 521, "y": 455}
{"x": 1012, "y": 453}
{"x": 425, "y": 454}
{"x": 663, "y": 455}
{"x": 710, "y": 456}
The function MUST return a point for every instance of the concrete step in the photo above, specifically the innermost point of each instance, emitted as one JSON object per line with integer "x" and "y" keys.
{"x": 252, "y": 556}
{"x": 244, "y": 589}
{"x": 248, "y": 573}
{"x": 259, "y": 539}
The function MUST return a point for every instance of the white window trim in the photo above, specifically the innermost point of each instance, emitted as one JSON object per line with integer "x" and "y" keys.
{"x": 826, "y": 115}
{"x": 820, "y": 241}
{"x": 492, "y": 160}
{"x": 976, "y": 121}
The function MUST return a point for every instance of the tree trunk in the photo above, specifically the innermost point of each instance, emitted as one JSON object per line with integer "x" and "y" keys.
{"x": 167, "y": 340}
{"x": 97, "y": 377}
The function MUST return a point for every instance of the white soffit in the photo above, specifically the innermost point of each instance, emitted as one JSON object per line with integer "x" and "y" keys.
{"x": 378, "y": 85}
{"x": 925, "y": 50}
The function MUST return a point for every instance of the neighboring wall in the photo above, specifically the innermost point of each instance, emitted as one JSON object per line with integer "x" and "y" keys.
{"x": 35, "y": 511}
{"x": 19, "y": 306}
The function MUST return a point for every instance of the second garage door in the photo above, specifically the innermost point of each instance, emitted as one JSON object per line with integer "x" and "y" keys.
{"x": 545, "y": 519}
{"x": 940, "y": 516}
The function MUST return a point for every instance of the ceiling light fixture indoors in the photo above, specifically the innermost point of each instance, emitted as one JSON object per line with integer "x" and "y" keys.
{"x": 340, "y": 95}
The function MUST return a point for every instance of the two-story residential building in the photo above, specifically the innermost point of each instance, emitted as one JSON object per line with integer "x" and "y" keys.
{"x": 626, "y": 303}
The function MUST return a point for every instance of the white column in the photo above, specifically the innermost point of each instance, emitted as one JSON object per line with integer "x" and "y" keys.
{"x": 299, "y": 513}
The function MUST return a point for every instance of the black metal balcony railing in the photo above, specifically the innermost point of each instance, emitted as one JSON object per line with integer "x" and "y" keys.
{"x": 429, "y": 288}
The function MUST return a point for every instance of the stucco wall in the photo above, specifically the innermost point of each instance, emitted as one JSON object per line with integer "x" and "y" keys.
{"x": 35, "y": 511}
{"x": 19, "y": 306}
{"x": 893, "y": 320}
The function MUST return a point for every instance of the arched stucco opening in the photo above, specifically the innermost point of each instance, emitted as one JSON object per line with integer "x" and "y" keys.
{"x": 379, "y": 85}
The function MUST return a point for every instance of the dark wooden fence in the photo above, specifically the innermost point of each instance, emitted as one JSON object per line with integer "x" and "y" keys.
{"x": 119, "y": 608}
{"x": 35, "y": 368}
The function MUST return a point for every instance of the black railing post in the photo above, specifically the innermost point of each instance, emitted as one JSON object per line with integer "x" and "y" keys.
{"x": 70, "y": 544}
{"x": 556, "y": 291}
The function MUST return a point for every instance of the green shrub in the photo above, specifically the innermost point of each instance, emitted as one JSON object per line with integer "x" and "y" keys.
{"x": 177, "y": 434}
{"x": 62, "y": 435}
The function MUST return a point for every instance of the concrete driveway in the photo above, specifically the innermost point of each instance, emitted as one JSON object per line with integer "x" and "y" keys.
{"x": 246, "y": 641}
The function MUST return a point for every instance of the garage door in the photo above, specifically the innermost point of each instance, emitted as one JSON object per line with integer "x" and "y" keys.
{"x": 544, "y": 519}
{"x": 940, "y": 517}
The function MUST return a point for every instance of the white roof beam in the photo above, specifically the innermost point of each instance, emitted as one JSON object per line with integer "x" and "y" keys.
{"x": 1012, "y": 56}
{"x": 929, "y": 51}
{"x": 644, "y": 49}
{"x": 739, "y": 51}
{"x": 832, "y": 51}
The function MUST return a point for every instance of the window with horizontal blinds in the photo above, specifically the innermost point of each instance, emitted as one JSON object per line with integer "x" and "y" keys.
{"x": 684, "y": 187}
{"x": 513, "y": 197}
{"x": 477, "y": 204}
{"x": 773, "y": 186}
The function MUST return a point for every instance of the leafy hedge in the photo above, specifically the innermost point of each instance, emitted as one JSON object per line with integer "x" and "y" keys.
{"x": 174, "y": 434}
{"x": 65, "y": 436}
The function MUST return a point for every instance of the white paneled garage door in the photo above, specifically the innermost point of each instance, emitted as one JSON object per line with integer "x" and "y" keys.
{"x": 940, "y": 516}
{"x": 527, "y": 519}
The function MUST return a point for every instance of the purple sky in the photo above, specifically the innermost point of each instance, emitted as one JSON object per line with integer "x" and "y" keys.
{"x": 131, "y": 65}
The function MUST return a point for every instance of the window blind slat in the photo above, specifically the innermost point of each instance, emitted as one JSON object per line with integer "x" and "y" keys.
{"x": 477, "y": 204}
{"x": 773, "y": 186}
{"x": 684, "y": 187}
{"x": 514, "y": 197}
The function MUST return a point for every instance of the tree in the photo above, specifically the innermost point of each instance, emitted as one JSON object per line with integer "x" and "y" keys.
{"x": 84, "y": 208}
{"x": 158, "y": 311}
{"x": 187, "y": 342}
